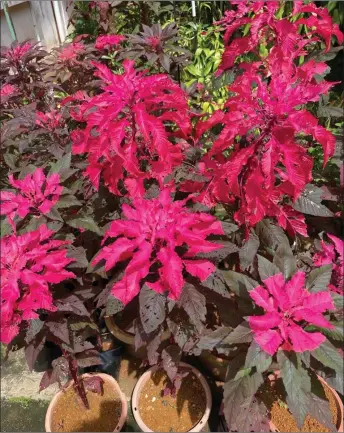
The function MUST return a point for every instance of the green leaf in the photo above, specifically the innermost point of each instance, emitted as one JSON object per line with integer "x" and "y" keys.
{"x": 297, "y": 384}
{"x": 266, "y": 268}
{"x": 84, "y": 222}
{"x": 256, "y": 357}
{"x": 328, "y": 355}
{"x": 319, "y": 278}
{"x": 285, "y": 261}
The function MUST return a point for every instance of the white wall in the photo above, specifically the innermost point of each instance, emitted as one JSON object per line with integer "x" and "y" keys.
{"x": 40, "y": 20}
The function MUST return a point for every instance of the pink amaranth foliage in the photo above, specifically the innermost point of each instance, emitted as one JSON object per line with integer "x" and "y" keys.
{"x": 50, "y": 120}
{"x": 267, "y": 30}
{"x": 16, "y": 53}
{"x": 125, "y": 140}
{"x": 29, "y": 263}
{"x": 288, "y": 305}
{"x": 6, "y": 92}
{"x": 70, "y": 53}
{"x": 332, "y": 253}
{"x": 153, "y": 233}
{"x": 108, "y": 41}
{"x": 266, "y": 110}
{"x": 36, "y": 195}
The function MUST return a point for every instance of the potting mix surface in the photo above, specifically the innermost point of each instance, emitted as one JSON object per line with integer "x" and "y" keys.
{"x": 172, "y": 414}
{"x": 103, "y": 415}
{"x": 274, "y": 398}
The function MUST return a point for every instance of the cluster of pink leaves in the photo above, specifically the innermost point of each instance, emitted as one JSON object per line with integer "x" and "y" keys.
{"x": 29, "y": 262}
{"x": 16, "y": 53}
{"x": 51, "y": 120}
{"x": 6, "y": 92}
{"x": 287, "y": 306}
{"x": 37, "y": 194}
{"x": 332, "y": 253}
{"x": 266, "y": 110}
{"x": 150, "y": 234}
{"x": 266, "y": 28}
{"x": 108, "y": 41}
{"x": 70, "y": 53}
{"x": 126, "y": 138}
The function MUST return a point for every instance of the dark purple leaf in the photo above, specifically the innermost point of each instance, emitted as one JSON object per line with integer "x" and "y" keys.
{"x": 252, "y": 417}
{"x": 59, "y": 329}
{"x": 217, "y": 283}
{"x": 94, "y": 384}
{"x": 237, "y": 392}
{"x": 33, "y": 349}
{"x": 34, "y": 326}
{"x": 194, "y": 303}
{"x": 72, "y": 304}
{"x": 297, "y": 384}
{"x": 256, "y": 357}
{"x": 152, "y": 309}
{"x": 248, "y": 251}
{"x": 218, "y": 255}
{"x": 48, "y": 378}
{"x": 170, "y": 360}
{"x": 266, "y": 268}
{"x": 88, "y": 358}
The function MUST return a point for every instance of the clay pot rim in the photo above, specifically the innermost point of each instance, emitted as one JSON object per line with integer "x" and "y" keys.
{"x": 124, "y": 336}
{"x": 340, "y": 409}
{"x": 106, "y": 378}
{"x": 143, "y": 379}
{"x": 119, "y": 333}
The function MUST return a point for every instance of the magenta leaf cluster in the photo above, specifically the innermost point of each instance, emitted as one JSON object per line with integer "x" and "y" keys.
{"x": 29, "y": 263}
{"x": 150, "y": 234}
{"x": 286, "y": 304}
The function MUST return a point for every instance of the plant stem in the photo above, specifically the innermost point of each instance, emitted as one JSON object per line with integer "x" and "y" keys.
{"x": 78, "y": 383}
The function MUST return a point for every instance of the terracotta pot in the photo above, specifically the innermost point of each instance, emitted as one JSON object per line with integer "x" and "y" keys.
{"x": 339, "y": 404}
{"x": 111, "y": 381}
{"x": 143, "y": 379}
{"x": 128, "y": 339}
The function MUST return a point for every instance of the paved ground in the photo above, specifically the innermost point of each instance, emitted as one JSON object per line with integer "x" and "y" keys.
{"x": 23, "y": 408}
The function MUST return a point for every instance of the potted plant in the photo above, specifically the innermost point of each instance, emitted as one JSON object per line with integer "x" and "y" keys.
{"x": 149, "y": 202}
{"x": 293, "y": 346}
{"x": 185, "y": 409}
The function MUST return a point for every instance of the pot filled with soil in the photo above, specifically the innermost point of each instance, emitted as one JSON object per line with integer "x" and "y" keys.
{"x": 186, "y": 410}
{"x": 281, "y": 420}
{"x": 107, "y": 410}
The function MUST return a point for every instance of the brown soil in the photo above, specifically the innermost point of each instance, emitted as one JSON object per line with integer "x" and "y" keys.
{"x": 172, "y": 414}
{"x": 70, "y": 414}
{"x": 274, "y": 398}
